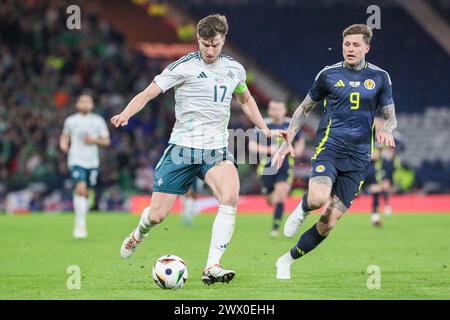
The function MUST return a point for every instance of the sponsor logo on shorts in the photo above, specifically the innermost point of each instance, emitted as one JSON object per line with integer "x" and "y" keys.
{"x": 320, "y": 168}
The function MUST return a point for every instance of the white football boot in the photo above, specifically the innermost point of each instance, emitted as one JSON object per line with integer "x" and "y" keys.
{"x": 216, "y": 273}
{"x": 293, "y": 223}
{"x": 283, "y": 267}
{"x": 80, "y": 232}
{"x": 129, "y": 245}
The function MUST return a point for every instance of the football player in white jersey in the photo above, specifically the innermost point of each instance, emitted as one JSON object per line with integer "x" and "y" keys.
{"x": 84, "y": 132}
{"x": 204, "y": 84}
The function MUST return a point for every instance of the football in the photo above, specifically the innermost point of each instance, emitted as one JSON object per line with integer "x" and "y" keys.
{"x": 170, "y": 272}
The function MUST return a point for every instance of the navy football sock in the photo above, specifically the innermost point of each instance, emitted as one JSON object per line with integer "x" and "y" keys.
{"x": 376, "y": 201}
{"x": 308, "y": 241}
{"x": 305, "y": 206}
{"x": 386, "y": 197}
{"x": 277, "y": 215}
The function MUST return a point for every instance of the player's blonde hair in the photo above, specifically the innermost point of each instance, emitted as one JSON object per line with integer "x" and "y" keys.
{"x": 359, "y": 29}
{"x": 212, "y": 25}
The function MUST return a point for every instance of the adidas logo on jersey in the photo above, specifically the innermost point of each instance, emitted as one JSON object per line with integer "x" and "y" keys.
{"x": 340, "y": 83}
{"x": 202, "y": 75}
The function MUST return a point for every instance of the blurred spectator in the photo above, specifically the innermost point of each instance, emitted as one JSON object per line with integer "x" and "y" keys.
{"x": 186, "y": 32}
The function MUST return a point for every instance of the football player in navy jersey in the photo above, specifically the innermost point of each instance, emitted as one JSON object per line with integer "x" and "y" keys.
{"x": 352, "y": 91}
{"x": 275, "y": 184}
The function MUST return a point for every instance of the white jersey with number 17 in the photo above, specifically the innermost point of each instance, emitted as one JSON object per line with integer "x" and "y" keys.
{"x": 203, "y": 94}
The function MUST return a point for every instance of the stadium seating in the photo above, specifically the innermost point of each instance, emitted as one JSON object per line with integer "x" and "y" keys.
{"x": 295, "y": 39}
{"x": 303, "y": 34}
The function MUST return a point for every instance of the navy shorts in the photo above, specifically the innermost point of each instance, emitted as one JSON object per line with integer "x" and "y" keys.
{"x": 268, "y": 181}
{"x": 347, "y": 174}
{"x": 179, "y": 166}
{"x": 372, "y": 176}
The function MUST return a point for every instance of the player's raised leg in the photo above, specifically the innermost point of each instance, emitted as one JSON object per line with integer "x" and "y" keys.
{"x": 318, "y": 194}
{"x": 223, "y": 180}
{"x": 311, "y": 238}
{"x": 81, "y": 208}
{"x": 159, "y": 209}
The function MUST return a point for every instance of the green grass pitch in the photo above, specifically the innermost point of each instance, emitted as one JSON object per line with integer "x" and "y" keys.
{"x": 411, "y": 250}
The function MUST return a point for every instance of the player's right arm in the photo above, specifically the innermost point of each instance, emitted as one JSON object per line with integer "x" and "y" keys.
{"x": 298, "y": 118}
{"x": 173, "y": 75}
{"x": 64, "y": 139}
{"x": 317, "y": 92}
{"x": 255, "y": 147}
{"x": 136, "y": 105}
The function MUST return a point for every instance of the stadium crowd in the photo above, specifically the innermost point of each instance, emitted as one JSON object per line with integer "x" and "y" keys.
{"x": 43, "y": 67}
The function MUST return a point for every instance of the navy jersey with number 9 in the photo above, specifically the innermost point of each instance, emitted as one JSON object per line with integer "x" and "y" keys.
{"x": 351, "y": 99}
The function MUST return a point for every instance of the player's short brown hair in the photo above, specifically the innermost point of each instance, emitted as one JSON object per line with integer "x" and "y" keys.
{"x": 359, "y": 29}
{"x": 212, "y": 25}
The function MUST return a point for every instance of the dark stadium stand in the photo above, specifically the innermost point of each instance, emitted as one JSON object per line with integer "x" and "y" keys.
{"x": 297, "y": 40}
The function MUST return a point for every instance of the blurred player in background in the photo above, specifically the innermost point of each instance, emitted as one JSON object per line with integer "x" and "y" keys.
{"x": 380, "y": 180}
{"x": 389, "y": 159}
{"x": 276, "y": 185}
{"x": 352, "y": 91}
{"x": 373, "y": 185}
{"x": 83, "y": 133}
{"x": 373, "y": 181}
{"x": 190, "y": 203}
{"x": 204, "y": 83}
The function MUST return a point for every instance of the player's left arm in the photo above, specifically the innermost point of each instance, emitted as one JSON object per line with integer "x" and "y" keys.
{"x": 100, "y": 141}
{"x": 103, "y": 139}
{"x": 250, "y": 108}
{"x": 384, "y": 136}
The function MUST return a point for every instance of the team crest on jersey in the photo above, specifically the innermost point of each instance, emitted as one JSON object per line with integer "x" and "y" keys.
{"x": 369, "y": 84}
{"x": 230, "y": 74}
{"x": 320, "y": 168}
{"x": 354, "y": 84}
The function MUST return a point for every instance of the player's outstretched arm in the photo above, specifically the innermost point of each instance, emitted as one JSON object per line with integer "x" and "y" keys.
{"x": 299, "y": 117}
{"x": 255, "y": 147}
{"x": 250, "y": 108}
{"x": 136, "y": 105}
{"x": 384, "y": 136}
{"x": 297, "y": 121}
